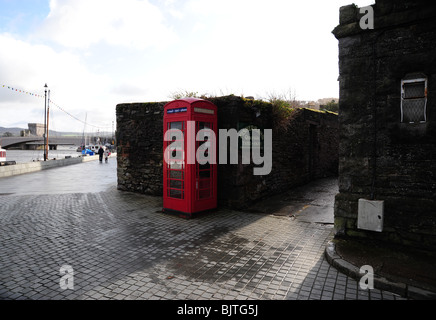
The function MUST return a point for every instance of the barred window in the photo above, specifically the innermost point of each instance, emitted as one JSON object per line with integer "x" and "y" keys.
{"x": 414, "y": 98}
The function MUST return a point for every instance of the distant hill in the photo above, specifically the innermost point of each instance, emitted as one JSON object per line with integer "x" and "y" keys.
{"x": 14, "y": 131}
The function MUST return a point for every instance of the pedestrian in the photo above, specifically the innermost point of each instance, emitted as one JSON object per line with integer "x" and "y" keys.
{"x": 100, "y": 153}
{"x": 106, "y": 154}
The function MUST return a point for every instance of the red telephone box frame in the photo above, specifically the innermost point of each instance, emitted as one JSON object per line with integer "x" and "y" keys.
{"x": 189, "y": 188}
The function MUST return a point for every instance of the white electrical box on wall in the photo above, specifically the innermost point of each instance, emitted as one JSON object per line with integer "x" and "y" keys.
{"x": 370, "y": 215}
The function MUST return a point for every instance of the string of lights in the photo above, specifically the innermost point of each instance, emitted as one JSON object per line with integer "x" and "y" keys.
{"x": 17, "y": 90}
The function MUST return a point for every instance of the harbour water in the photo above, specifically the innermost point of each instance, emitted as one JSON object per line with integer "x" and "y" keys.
{"x": 23, "y": 156}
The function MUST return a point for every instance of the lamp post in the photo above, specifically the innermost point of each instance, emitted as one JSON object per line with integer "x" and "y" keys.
{"x": 48, "y": 123}
{"x": 45, "y": 121}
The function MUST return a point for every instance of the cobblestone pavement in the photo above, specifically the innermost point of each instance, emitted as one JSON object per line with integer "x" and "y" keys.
{"x": 121, "y": 246}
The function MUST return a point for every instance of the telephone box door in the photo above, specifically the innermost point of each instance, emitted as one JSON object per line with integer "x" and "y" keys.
{"x": 190, "y": 177}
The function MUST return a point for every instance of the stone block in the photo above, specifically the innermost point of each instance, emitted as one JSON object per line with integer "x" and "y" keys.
{"x": 348, "y": 14}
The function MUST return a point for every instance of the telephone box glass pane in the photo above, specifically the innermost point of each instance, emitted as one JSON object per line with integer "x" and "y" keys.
{"x": 205, "y": 166}
{"x": 204, "y": 174}
{"x": 176, "y": 174}
{"x": 176, "y": 125}
{"x": 204, "y": 194}
{"x": 203, "y": 170}
{"x": 175, "y": 165}
{"x": 177, "y": 155}
{"x": 173, "y": 193}
{"x": 177, "y": 184}
{"x": 203, "y": 125}
{"x": 204, "y": 184}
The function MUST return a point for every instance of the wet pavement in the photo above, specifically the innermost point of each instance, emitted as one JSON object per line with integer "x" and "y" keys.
{"x": 92, "y": 176}
{"x": 313, "y": 202}
{"x": 121, "y": 246}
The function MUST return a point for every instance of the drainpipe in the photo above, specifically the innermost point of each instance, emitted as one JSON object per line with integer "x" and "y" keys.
{"x": 374, "y": 113}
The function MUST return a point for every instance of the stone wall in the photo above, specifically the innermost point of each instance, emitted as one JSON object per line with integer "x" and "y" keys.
{"x": 300, "y": 152}
{"x": 304, "y": 148}
{"x": 380, "y": 157}
{"x": 139, "y": 137}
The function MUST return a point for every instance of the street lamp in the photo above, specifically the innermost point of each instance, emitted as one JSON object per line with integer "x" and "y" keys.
{"x": 45, "y": 121}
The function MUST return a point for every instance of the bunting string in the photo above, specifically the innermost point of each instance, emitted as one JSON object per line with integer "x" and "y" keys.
{"x": 22, "y": 91}
{"x": 16, "y": 90}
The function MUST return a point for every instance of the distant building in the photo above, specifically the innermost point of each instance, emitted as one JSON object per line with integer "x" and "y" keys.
{"x": 312, "y": 105}
{"x": 25, "y": 133}
{"x": 36, "y": 129}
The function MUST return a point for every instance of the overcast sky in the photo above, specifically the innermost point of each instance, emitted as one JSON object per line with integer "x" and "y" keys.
{"x": 94, "y": 54}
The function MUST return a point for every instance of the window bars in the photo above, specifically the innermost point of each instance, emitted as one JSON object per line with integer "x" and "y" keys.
{"x": 414, "y": 98}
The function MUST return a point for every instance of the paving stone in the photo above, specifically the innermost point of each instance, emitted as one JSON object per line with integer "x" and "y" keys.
{"x": 121, "y": 246}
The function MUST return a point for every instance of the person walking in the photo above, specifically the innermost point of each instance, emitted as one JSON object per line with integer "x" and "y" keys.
{"x": 100, "y": 153}
{"x": 106, "y": 154}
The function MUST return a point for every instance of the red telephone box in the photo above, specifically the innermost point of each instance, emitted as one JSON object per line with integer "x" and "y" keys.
{"x": 190, "y": 157}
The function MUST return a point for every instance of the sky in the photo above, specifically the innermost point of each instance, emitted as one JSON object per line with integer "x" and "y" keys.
{"x": 95, "y": 54}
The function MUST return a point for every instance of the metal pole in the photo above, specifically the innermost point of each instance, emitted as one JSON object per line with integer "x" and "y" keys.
{"x": 48, "y": 121}
{"x": 45, "y": 121}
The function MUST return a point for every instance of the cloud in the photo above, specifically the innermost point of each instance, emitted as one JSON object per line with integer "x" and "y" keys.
{"x": 130, "y": 23}
{"x": 28, "y": 67}
{"x": 96, "y": 54}
{"x": 261, "y": 46}
{"x": 129, "y": 92}
{"x": 254, "y": 47}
